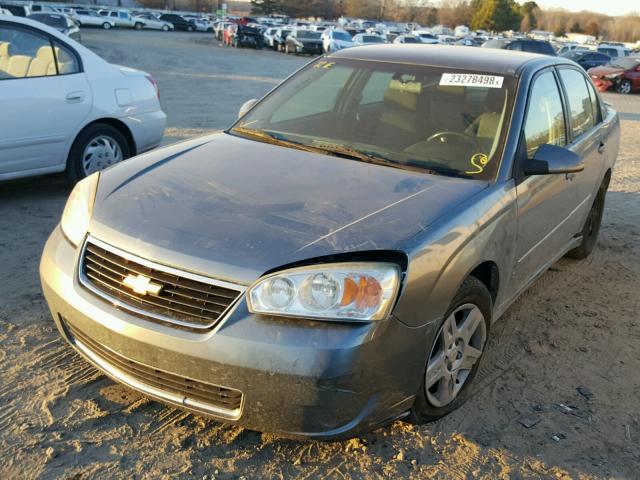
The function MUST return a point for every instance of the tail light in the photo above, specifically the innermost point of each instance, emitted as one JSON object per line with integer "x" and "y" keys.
{"x": 154, "y": 83}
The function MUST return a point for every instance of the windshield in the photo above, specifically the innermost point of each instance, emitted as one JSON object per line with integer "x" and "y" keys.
{"x": 372, "y": 39}
{"x": 410, "y": 40}
{"x": 55, "y": 21}
{"x": 435, "y": 119}
{"x": 342, "y": 36}
{"x": 308, "y": 34}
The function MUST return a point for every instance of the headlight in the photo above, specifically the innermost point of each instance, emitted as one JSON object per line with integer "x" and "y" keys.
{"x": 77, "y": 211}
{"x": 340, "y": 291}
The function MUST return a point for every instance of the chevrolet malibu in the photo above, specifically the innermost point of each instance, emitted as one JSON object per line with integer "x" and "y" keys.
{"x": 336, "y": 259}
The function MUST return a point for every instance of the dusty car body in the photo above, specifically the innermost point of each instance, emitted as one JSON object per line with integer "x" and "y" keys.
{"x": 301, "y": 41}
{"x": 247, "y": 37}
{"x": 224, "y": 218}
{"x": 622, "y": 75}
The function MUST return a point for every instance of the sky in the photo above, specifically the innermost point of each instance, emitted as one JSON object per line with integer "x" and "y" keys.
{"x": 610, "y": 7}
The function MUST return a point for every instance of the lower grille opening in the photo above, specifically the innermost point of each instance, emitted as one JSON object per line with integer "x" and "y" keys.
{"x": 202, "y": 396}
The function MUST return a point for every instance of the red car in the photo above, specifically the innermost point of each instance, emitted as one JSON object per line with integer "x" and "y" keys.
{"x": 622, "y": 74}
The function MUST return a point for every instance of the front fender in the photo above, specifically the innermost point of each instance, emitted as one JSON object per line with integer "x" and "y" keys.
{"x": 482, "y": 229}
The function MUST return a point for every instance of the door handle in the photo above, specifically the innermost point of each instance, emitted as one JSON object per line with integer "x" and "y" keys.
{"x": 601, "y": 147}
{"x": 74, "y": 97}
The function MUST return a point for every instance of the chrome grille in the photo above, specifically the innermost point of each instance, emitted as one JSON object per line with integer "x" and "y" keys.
{"x": 206, "y": 397}
{"x": 184, "y": 299}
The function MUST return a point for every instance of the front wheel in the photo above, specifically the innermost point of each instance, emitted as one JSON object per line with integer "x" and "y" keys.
{"x": 106, "y": 25}
{"x": 96, "y": 147}
{"x": 624, "y": 87}
{"x": 138, "y": 26}
{"x": 591, "y": 227}
{"x": 165, "y": 28}
{"x": 189, "y": 28}
{"x": 454, "y": 356}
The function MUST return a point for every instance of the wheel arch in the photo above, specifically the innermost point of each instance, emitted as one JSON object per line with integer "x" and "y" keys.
{"x": 112, "y": 122}
{"x": 489, "y": 274}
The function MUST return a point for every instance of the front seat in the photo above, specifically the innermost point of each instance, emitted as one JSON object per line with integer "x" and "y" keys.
{"x": 486, "y": 126}
{"x": 399, "y": 119}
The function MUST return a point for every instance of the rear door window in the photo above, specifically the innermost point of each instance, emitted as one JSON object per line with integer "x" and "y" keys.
{"x": 580, "y": 103}
{"x": 67, "y": 60}
{"x": 24, "y": 54}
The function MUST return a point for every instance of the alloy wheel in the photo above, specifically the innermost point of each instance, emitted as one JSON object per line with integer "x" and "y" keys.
{"x": 625, "y": 87}
{"x": 458, "y": 347}
{"x": 99, "y": 153}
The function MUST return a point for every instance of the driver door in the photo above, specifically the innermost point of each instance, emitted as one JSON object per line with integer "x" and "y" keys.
{"x": 547, "y": 204}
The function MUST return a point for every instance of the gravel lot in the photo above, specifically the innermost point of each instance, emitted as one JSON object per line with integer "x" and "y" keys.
{"x": 578, "y": 326}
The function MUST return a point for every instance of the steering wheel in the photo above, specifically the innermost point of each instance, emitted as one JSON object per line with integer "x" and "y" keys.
{"x": 442, "y": 137}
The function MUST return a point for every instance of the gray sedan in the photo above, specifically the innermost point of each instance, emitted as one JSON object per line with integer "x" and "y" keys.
{"x": 336, "y": 259}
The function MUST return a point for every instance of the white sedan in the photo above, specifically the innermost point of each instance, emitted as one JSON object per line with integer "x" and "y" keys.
{"x": 152, "y": 22}
{"x": 70, "y": 110}
{"x": 91, "y": 18}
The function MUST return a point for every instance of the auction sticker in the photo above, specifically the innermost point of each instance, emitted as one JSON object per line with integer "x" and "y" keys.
{"x": 471, "y": 80}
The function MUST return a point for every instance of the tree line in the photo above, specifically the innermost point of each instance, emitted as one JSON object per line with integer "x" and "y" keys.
{"x": 492, "y": 15}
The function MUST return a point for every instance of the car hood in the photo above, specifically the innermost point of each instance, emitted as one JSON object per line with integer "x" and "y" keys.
{"x": 235, "y": 208}
{"x": 605, "y": 70}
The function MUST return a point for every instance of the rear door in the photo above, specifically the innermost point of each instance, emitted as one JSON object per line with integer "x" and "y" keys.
{"x": 547, "y": 204}
{"x": 44, "y": 98}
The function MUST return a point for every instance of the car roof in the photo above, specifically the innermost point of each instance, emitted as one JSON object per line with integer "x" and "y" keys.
{"x": 452, "y": 56}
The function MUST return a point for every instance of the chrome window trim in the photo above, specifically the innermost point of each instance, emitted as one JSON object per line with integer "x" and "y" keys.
{"x": 85, "y": 282}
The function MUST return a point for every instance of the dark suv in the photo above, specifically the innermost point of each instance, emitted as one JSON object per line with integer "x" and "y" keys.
{"x": 522, "y": 45}
{"x": 179, "y": 23}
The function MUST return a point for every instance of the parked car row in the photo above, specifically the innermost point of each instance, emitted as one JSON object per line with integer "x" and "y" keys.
{"x": 318, "y": 39}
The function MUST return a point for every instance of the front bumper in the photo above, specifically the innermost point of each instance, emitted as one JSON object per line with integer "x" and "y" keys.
{"x": 298, "y": 378}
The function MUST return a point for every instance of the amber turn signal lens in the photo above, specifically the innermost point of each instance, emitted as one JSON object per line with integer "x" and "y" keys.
{"x": 364, "y": 294}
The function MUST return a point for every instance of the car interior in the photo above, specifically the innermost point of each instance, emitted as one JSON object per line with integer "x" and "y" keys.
{"x": 33, "y": 58}
{"x": 411, "y": 116}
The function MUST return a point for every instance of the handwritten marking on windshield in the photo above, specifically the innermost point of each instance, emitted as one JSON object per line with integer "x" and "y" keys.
{"x": 478, "y": 161}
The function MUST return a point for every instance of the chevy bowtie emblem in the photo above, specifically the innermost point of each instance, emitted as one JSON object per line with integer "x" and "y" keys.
{"x": 142, "y": 285}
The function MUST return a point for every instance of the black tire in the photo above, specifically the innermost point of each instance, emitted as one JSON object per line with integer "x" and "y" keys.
{"x": 624, "y": 87}
{"x": 591, "y": 227}
{"x": 106, "y": 25}
{"x": 189, "y": 28}
{"x": 75, "y": 170}
{"x": 138, "y": 26}
{"x": 165, "y": 28}
{"x": 473, "y": 292}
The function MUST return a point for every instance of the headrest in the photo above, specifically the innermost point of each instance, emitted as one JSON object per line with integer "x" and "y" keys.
{"x": 45, "y": 54}
{"x": 4, "y": 49}
{"x": 456, "y": 90}
{"x": 405, "y": 87}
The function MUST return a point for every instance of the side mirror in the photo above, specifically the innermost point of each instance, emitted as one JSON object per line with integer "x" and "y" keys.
{"x": 551, "y": 160}
{"x": 246, "y": 106}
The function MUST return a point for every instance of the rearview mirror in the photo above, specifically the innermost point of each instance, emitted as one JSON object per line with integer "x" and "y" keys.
{"x": 246, "y": 106}
{"x": 551, "y": 160}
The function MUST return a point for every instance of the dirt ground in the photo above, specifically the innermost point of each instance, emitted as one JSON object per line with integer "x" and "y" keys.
{"x": 578, "y": 326}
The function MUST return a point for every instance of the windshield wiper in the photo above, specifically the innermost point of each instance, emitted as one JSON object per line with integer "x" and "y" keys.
{"x": 350, "y": 152}
{"x": 273, "y": 139}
